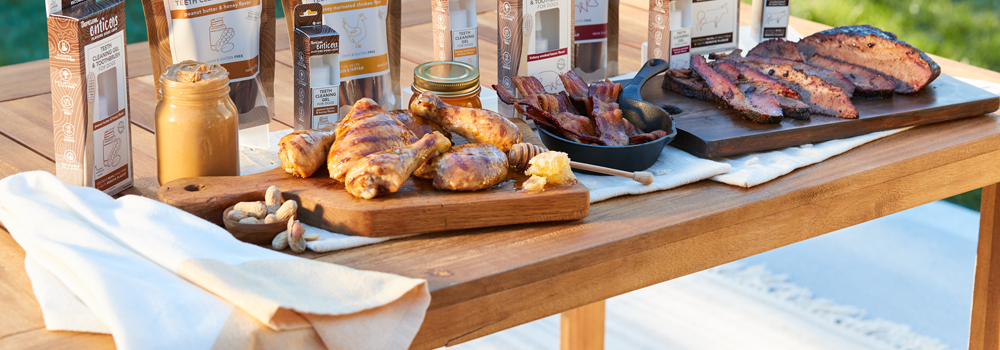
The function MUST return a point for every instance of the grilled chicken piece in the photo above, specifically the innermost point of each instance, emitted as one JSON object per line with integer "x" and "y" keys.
{"x": 468, "y": 167}
{"x": 365, "y": 130}
{"x": 385, "y": 171}
{"x": 303, "y": 152}
{"x": 754, "y": 107}
{"x": 755, "y": 81}
{"x": 577, "y": 90}
{"x": 872, "y": 48}
{"x": 822, "y": 97}
{"x": 475, "y": 125}
{"x": 829, "y": 76}
{"x": 868, "y": 83}
{"x": 778, "y": 48}
{"x": 607, "y": 115}
{"x": 418, "y": 125}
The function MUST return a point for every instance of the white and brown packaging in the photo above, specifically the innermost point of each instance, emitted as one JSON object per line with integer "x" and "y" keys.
{"x": 535, "y": 37}
{"x": 713, "y": 26}
{"x": 238, "y": 35}
{"x": 455, "y": 31}
{"x": 770, "y": 19}
{"x": 90, "y": 102}
{"x": 369, "y": 47}
{"x": 317, "y": 69}
{"x": 596, "y": 39}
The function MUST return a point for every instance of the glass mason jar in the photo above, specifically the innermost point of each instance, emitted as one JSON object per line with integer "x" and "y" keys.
{"x": 456, "y": 83}
{"x": 196, "y": 123}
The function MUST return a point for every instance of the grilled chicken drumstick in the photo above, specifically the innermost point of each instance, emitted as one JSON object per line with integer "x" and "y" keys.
{"x": 385, "y": 171}
{"x": 468, "y": 167}
{"x": 365, "y": 130}
{"x": 303, "y": 152}
{"x": 475, "y": 125}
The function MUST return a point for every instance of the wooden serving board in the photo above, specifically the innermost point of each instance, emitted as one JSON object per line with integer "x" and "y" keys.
{"x": 708, "y": 130}
{"x": 416, "y": 208}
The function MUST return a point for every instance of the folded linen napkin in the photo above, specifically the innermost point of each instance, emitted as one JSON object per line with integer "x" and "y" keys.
{"x": 157, "y": 277}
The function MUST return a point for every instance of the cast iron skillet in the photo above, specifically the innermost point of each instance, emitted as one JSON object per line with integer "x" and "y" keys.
{"x": 643, "y": 115}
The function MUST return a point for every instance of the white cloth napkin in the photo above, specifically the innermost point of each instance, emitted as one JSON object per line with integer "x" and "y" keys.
{"x": 157, "y": 277}
{"x": 673, "y": 168}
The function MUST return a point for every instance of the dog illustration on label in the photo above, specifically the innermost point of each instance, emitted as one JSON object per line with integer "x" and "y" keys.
{"x": 357, "y": 32}
{"x": 776, "y": 17}
{"x": 219, "y": 35}
{"x": 586, "y": 5}
{"x": 112, "y": 145}
{"x": 714, "y": 15}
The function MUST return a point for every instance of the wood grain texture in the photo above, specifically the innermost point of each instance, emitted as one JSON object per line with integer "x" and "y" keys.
{"x": 985, "y": 331}
{"x": 416, "y": 208}
{"x": 582, "y": 328}
{"x": 708, "y": 130}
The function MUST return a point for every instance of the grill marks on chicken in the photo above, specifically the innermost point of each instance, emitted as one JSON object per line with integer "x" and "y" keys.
{"x": 417, "y": 124}
{"x": 365, "y": 130}
{"x": 875, "y": 49}
{"x": 384, "y": 172}
{"x": 468, "y": 167}
{"x": 475, "y": 125}
{"x": 753, "y": 106}
{"x": 868, "y": 83}
{"x": 303, "y": 152}
{"x": 607, "y": 115}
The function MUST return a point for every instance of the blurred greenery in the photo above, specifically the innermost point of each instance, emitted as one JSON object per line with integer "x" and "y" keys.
{"x": 963, "y": 30}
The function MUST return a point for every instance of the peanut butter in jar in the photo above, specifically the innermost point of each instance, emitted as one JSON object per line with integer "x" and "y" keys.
{"x": 196, "y": 123}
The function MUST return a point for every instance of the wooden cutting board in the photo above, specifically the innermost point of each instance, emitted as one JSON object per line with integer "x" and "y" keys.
{"x": 708, "y": 130}
{"x": 416, "y": 208}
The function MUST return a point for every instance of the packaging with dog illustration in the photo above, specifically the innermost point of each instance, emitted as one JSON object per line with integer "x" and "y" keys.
{"x": 455, "y": 31}
{"x": 596, "y": 39}
{"x": 535, "y": 38}
{"x": 90, "y": 102}
{"x": 316, "y": 69}
{"x": 369, "y": 47}
{"x": 770, "y": 19}
{"x": 709, "y": 25}
{"x": 238, "y": 35}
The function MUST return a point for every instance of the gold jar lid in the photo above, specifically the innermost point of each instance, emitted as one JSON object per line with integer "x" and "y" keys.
{"x": 446, "y": 78}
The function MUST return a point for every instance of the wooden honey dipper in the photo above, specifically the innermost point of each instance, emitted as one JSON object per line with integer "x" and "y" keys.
{"x": 521, "y": 153}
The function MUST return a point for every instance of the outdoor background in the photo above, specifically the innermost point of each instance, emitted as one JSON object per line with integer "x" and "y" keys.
{"x": 963, "y": 30}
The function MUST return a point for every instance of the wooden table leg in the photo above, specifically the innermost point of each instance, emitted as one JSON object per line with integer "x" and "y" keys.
{"x": 582, "y": 328}
{"x": 985, "y": 330}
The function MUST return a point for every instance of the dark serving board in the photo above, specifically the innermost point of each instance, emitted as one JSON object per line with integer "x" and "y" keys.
{"x": 708, "y": 130}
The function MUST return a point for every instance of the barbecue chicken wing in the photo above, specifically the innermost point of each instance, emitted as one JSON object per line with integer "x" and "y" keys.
{"x": 303, "y": 152}
{"x": 467, "y": 167}
{"x": 384, "y": 172}
{"x": 365, "y": 130}
{"x": 475, "y": 125}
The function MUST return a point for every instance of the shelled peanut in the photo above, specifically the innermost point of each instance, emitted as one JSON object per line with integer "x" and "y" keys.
{"x": 273, "y": 209}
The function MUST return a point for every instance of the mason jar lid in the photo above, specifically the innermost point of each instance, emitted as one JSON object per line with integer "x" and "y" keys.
{"x": 446, "y": 77}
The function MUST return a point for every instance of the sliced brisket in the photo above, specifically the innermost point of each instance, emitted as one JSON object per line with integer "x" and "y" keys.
{"x": 777, "y": 48}
{"x": 829, "y": 76}
{"x": 878, "y": 50}
{"x": 755, "y": 107}
{"x": 822, "y": 97}
{"x": 790, "y": 101}
{"x": 867, "y": 83}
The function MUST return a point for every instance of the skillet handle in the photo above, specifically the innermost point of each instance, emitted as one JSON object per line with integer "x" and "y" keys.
{"x": 650, "y": 69}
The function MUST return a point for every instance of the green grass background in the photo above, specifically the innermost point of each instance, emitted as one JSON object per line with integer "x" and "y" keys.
{"x": 963, "y": 30}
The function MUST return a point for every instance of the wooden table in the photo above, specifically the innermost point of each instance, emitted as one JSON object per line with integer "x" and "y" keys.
{"x": 487, "y": 280}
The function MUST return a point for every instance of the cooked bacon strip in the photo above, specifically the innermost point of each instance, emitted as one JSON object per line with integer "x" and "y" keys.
{"x": 577, "y": 89}
{"x": 868, "y": 83}
{"x": 571, "y": 126}
{"x": 636, "y": 136}
{"x": 607, "y": 115}
{"x": 760, "y": 109}
{"x": 534, "y": 94}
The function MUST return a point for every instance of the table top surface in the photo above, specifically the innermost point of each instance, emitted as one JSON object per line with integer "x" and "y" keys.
{"x": 510, "y": 275}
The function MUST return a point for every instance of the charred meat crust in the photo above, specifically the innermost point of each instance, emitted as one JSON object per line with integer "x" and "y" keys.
{"x": 878, "y": 50}
{"x": 757, "y": 108}
{"x": 832, "y": 77}
{"x": 868, "y": 83}
{"x": 778, "y": 48}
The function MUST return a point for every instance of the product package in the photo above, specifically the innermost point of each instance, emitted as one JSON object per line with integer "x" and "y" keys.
{"x": 53, "y": 6}
{"x": 90, "y": 102}
{"x": 770, "y": 19}
{"x": 238, "y": 35}
{"x": 370, "y": 47}
{"x": 317, "y": 69}
{"x": 596, "y": 39}
{"x": 709, "y": 25}
{"x": 456, "y": 31}
{"x": 535, "y": 39}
